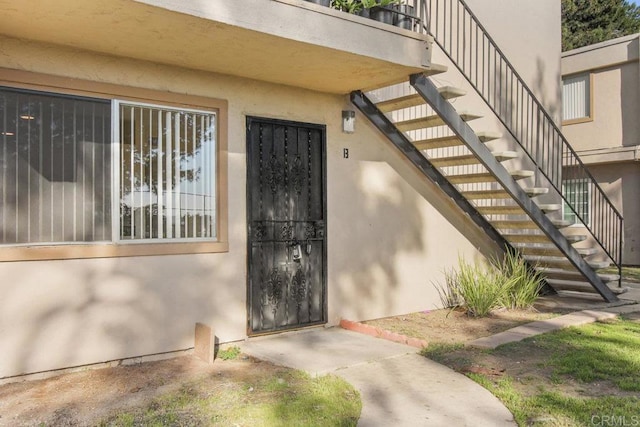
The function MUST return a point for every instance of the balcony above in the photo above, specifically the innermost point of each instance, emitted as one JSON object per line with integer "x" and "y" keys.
{"x": 291, "y": 42}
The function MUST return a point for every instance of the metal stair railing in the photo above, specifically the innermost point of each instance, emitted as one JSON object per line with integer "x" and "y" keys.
{"x": 461, "y": 36}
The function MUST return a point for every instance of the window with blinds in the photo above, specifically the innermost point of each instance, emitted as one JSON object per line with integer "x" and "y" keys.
{"x": 55, "y": 176}
{"x": 167, "y": 173}
{"x": 82, "y": 170}
{"x": 578, "y": 194}
{"x": 576, "y": 97}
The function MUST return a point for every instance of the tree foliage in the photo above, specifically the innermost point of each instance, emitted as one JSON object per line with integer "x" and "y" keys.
{"x": 586, "y": 22}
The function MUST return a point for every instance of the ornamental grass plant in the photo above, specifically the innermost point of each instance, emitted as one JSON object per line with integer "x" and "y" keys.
{"x": 508, "y": 282}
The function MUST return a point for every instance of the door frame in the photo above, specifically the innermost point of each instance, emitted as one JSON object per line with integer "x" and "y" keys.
{"x": 323, "y": 131}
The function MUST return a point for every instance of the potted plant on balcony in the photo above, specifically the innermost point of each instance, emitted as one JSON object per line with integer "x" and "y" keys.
{"x": 380, "y": 11}
{"x": 349, "y": 6}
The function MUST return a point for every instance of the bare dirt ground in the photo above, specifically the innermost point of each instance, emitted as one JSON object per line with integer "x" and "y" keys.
{"x": 454, "y": 326}
{"x": 86, "y": 398}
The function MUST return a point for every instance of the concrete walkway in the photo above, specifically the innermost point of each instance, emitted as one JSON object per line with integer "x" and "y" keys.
{"x": 542, "y": 326}
{"x": 586, "y": 311}
{"x": 398, "y": 386}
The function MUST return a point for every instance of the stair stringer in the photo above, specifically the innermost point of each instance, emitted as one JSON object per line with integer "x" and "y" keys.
{"x": 442, "y": 107}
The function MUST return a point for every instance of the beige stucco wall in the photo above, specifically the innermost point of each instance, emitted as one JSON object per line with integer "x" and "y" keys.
{"x": 391, "y": 234}
{"x": 609, "y": 144}
{"x": 529, "y": 35}
{"x": 388, "y": 236}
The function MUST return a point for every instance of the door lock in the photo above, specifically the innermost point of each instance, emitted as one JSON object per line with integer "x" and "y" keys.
{"x": 297, "y": 252}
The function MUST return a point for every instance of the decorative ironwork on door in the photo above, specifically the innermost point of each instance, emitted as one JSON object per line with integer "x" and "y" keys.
{"x": 286, "y": 225}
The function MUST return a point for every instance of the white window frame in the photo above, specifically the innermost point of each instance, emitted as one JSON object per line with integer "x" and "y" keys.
{"x": 116, "y": 184}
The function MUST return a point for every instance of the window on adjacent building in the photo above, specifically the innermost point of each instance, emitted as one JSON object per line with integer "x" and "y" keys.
{"x": 578, "y": 193}
{"x": 576, "y": 97}
{"x": 65, "y": 179}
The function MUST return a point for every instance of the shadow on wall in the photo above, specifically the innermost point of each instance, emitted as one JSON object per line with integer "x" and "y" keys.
{"x": 393, "y": 232}
{"x": 110, "y": 309}
{"x": 387, "y": 225}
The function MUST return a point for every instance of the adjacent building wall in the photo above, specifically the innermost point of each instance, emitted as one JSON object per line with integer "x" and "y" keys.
{"x": 609, "y": 143}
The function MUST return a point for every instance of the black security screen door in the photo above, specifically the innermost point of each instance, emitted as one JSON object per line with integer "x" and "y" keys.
{"x": 286, "y": 225}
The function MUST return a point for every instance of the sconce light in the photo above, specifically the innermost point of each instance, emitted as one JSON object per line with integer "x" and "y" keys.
{"x": 348, "y": 121}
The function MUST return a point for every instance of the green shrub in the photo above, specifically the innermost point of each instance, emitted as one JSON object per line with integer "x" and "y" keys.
{"x": 481, "y": 289}
{"x": 524, "y": 283}
{"x": 504, "y": 283}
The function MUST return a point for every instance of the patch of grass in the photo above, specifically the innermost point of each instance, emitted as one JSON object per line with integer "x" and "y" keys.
{"x": 230, "y": 353}
{"x": 288, "y": 398}
{"x": 629, "y": 274}
{"x": 436, "y": 350}
{"x": 448, "y": 354}
{"x": 601, "y": 358}
{"x": 598, "y": 352}
{"x": 552, "y": 408}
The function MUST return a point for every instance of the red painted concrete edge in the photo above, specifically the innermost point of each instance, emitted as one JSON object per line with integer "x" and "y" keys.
{"x": 381, "y": 333}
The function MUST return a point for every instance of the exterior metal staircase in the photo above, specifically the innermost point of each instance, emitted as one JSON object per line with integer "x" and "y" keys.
{"x": 420, "y": 120}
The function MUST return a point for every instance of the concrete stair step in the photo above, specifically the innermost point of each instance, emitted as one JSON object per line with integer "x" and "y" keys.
{"x": 552, "y": 261}
{"x": 431, "y": 121}
{"x": 469, "y": 178}
{"x": 549, "y": 207}
{"x": 581, "y": 286}
{"x": 538, "y": 238}
{"x": 552, "y": 250}
{"x": 452, "y": 141}
{"x": 526, "y": 224}
{"x": 400, "y": 103}
{"x": 413, "y": 100}
{"x": 500, "y": 210}
{"x": 501, "y": 194}
{"x": 450, "y": 92}
{"x": 514, "y": 209}
{"x": 487, "y": 136}
{"x": 574, "y": 275}
{"x": 442, "y": 142}
{"x": 470, "y": 159}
